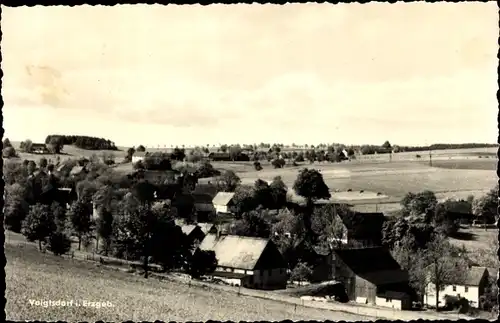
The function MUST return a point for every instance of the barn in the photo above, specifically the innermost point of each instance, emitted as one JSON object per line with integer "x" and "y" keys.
{"x": 372, "y": 276}
{"x": 247, "y": 261}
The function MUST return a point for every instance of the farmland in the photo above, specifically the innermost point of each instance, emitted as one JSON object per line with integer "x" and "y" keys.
{"x": 455, "y": 173}
{"x": 33, "y": 275}
{"x": 392, "y": 179}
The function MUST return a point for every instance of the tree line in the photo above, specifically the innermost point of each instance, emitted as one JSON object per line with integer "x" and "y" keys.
{"x": 83, "y": 142}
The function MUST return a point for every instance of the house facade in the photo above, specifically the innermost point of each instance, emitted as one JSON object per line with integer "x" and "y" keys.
{"x": 39, "y": 149}
{"x": 138, "y": 156}
{"x": 247, "y": 261}
{"x": 472, "y": 288}
{"x": 222, "y": 202}
{"x": 372, "y": 276}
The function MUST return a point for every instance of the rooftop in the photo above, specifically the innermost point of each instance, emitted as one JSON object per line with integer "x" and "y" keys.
{"x": 235, "y": 251}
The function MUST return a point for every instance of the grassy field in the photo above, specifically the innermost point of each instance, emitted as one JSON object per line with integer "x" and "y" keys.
{"x": 392, "y": 179}
{"x": 31, "y": 275}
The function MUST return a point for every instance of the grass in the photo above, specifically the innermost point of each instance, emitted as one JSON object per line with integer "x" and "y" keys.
{"x": 392, "y": 179}
{"x": 476, "y": 238}
{"x": 31, "y": 275}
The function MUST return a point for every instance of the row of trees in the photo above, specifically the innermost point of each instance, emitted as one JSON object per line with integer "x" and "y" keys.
{"x": 84, "y": 142}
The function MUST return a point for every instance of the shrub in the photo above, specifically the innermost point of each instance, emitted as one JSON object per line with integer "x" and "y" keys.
{"x": 278, "y": 163}
{"x": 202, "y": 263}
{"x": 59, "y": 243}
{"x": 9, "y": 152}
{"x": 141, "y": 149}
{"x": 257, "y": 166}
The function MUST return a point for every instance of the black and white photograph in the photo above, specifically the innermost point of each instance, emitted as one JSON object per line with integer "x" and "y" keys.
{"x": 251, "y": 162}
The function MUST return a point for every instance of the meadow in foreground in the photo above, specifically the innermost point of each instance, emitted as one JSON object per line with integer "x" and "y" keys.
{"x": 33, "y": 275}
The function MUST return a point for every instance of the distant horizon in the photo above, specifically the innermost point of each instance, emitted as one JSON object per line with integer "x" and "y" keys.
{"x": 118, "y": 145}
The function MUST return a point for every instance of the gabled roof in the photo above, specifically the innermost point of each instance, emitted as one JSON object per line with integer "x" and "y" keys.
{"x": 208, "y": 189}
{"x": 202, "y": 198}
{"x": 206, "y": 227}
{"x": 474, "y": 276}
{"x": 235, "y": 251}
{"x": 373, "y": 264}
{"x": 223, "y": 198}
{"x": 204, "y": 207}
{"x": 188, "y": 228}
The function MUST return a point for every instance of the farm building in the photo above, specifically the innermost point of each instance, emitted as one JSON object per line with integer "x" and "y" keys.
{"x": 219, "y": 156}
{"x": 472, "y": 288}
{"x": 138, "y": 156}
{"x": 39, "y": 149}
{"x": 463, "y": 218}
{"x": 372, "y": 276}
{"x": 208, "y": 189}
{"x": 246, "y": 261}
{"x": 223, "y": 202}
{"x": 196, "y": 231}
{"x": 320, "y": 260}
{"x": 203, "y": 207}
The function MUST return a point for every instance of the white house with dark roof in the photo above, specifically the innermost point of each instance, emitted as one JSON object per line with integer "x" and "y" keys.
{"x": 222, "y": 202}
{"x": 472, "y": 289}
{"x": 247, "y": 261}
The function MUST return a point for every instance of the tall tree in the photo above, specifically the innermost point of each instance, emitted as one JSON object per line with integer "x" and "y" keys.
{"x": 311, "y": 186}
{"x": 445, "y": 267}
{"x": 6, "y": 143}
{"x": 485, "y": 207}
{"x": 278, "y": 192}
{"x": 229, "y": 181}
{"x": 80, "y": 214}
{"x": 38, "y": 224}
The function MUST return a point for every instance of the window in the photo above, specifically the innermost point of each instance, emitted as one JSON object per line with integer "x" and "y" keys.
{"x": 466, "y": 289}
{"x": 454, "y": 288}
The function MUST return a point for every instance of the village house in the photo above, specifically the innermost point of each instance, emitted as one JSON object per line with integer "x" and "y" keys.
{"x": 196, "y": 231}
{"x": 247, "y": 261}
{"x": 223, "y": 202}
{"x": 138, "y": 156}
{"x": 39, "y": 149}
{"x": 203, "y": 207}
{"x": 472, "y": 288}
{"x": 372, "y": 276}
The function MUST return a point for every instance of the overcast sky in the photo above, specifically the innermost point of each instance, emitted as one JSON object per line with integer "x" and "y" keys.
{"x": 410, "y": 73}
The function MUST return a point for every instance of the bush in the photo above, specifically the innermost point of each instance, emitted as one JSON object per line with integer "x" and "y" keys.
{"x": 278, "y": 163}
{"x": 141, "y": 149}
{"x": 202, "y": 263}
{"x": 257, "y": 166}
{"x": 59, "y": 243}
{"x": 9, "y": 152}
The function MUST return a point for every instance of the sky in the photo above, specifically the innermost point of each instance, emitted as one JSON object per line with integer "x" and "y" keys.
{"x": 411, "y": 73}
